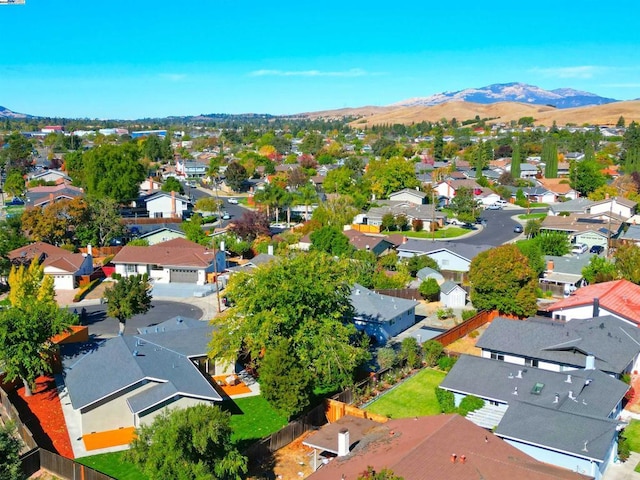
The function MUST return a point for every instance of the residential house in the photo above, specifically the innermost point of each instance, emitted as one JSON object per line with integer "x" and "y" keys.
{"x": 50, "y": 176}
{"x": 611, "y": 344}
{"x": 577, "y": 205}
{"x": 559, "y": 187}
{"x": 448, "y": 188}
{"x": 422, "y": 448}
{"x": 126, "y": 381}
{"x": 191, "y": 169}
{"x": 425, "y": 213}
{"x": 162, "y": 234}
{"x": 632, "y": 235}
{"x": 567, "y": 420}
{"x": 619, "y": 298}
{"x": 527, "y": 171}
{"x": 381, "y": 316}
{"x": 621, "y": 206}
{"x": 378, "y": 245}
{"x": 44, "y": 195}
{"x": 149, "y": 186}
{"x": 167, "y": 205}
{"x": 453, "y": 258}
{"x": 564, "y": 272}
{"x": 64, "y": 267}
{"x": 584, "y": 228}
{"x": 408, "y": 195}
{"x": 452, "y": 295}
{"x": 174, "y": 261}
{"x": 534, "y": 194}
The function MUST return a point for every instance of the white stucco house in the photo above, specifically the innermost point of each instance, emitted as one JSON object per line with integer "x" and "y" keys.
{"x": 166, "y": 205}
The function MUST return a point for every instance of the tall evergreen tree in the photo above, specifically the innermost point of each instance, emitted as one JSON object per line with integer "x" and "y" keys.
{"x": 515, "y": 160}
{"x": 550, "y": 158}
{"x": 589, "y": 152}
{"x": 632, "y": 160}
{"x": 438, "y": 144}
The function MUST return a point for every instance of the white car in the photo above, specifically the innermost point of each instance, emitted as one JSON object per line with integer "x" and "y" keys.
{"x": 233, "y": 201}
{"x": 579, "y": 248}
{"x": 501, "y": 202}
{"x": 226, "y": 216}
{"x": 455, "y": 221}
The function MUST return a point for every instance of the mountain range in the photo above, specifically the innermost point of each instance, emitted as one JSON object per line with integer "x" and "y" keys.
{"x": 512, "y": 92}
{"x": 6, "y": 113}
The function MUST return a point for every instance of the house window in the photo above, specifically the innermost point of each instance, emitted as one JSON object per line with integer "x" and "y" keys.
{"x": 157, "y": 214}
{"x": 444, "y": 262}
{"x": 497, "y": 356}
{"x": 128, "y": 268}
{"x": 531, "y": 362}
{"x": 156, "y": 267}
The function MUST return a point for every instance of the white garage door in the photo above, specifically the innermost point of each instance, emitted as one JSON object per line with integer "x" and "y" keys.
{"x": 184, "y": 275}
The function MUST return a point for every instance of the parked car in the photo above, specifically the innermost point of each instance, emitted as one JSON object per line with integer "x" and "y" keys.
{"x": 597, "y": 249}
{"x": 15, "y": 201}
{"x": 494, "y": 206}
{"x": 455, "y": 221}
{"x": 517, "y": 229}
{"x": 226, "y": 216}
{"x": 233, "y": 201}
{"x": 579, "y": 248}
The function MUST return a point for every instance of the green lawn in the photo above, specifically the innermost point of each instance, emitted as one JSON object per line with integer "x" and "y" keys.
{"x": 449, "y": 232}
{"x": 253, "y": 418}
{"x": 632, "y": 432}
{"x": 114, "y": 465}
{"x": 529, "y": 216}
{"x": 414, "y": 397}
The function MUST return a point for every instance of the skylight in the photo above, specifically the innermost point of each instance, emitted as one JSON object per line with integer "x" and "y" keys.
{"x": 537, "y": 388}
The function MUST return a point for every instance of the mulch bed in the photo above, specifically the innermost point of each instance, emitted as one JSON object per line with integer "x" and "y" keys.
{"x": 42, "y": 414}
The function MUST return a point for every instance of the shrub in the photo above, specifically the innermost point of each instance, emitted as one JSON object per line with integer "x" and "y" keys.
{"x": 470, "y": 403}
{"x": 387, "y": 357}
{"x": 467, "y": 314}
{"x": 411, "y": 351}
{"x": 432, "y": 352}
{"x": 86, "y": 289}
{"x": 430, "y": 290}
{"x": 624, "y": 450}
{"x": 443, "y": 313}
{"x": 445, "y": 400}
{"x": 446, "y": 363}
{"x": 474, "y": 334}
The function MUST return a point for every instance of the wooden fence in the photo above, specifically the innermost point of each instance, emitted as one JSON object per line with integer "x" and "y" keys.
{"x": 101, "y": 251}
{"x": 10, "y": 411}
{"x": 336, "y": 410}
{"x": 62, "y": 467}
{"x": 409, "y": 293}
{"x": 365, "y": 228}
{"x": 459, "y": 331}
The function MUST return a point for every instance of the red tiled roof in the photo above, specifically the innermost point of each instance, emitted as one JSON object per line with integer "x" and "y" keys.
{"x": 619, "y": 296}
{"x": 55, "y": 257}
{"x": 175, "y": 252}
{"x": 422, "y": 448}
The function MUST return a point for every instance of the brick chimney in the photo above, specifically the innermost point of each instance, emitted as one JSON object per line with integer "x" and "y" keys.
{"x": 173, "y": 204}
{"x": 453, "y": 458}
{"x": 150, "y": 189}
{"x": 550, "y": 266}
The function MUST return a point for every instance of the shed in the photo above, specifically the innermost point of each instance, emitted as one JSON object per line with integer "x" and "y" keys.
{"x": 452, "y": 295}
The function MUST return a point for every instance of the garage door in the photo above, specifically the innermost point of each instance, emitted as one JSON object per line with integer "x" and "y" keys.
{"x": 183, "y": 275}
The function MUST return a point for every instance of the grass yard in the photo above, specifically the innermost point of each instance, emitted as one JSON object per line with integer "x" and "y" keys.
{"x": 414, "y": 397}
{"x": 114, "y": 465}
{"x": 530, "y": 216}
{"x": 449, "y": 232}
{"x": 253, "y": 418}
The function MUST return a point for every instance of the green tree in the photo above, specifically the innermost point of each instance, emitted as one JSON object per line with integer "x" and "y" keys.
{"x": 388, "y": 221}
{"x": 284, "y": 383}
{"x": 599, "y": 270}
{"x": 129, "y": 296}
{"x": 550, "y": 157}
{"x": 338, "y": 210}
{"x": 386, "y": 357}
{"x": 103, "y": 223}
{"x": 430, "y": 290}
{"x": 501, "y": 279}
{"x": 331, "y": 240}
{"x": 25, "y": 333}
{"x": 10, "y": 446}
{"x": 193, "y": 230}
{"x": 235, "y": 176}
{"x": 620, "y": 122}
{"x": 113, "y": 171}
{"x": 282, "y": 300}
{"x": 388, "y": 176}
{"x": 586, "y": 177}
{"x": 418, "y": 262}
{"x": 188, "y": 444}
{"x": 11, "y": 237}
{"x": 532, "y": 227}
{"x": 402, "y": 222}
{"x": 17, "y": 154}
{"x": 531, "y": 249}
{"x": 516, "y": 160}
{"x": 627, "y": 260}
{"x": 172, "y": 184}
{"x": 312, "y": 143}
{"x": 438, "y": 144}
{"x": 411, "y": 351}
{"x": 464, "y": 205}
{"x": 553, "y": 243}
{"x": 432, "y": 352}
{"x": 307, "y": 196}
{"x": 15, "y": 184}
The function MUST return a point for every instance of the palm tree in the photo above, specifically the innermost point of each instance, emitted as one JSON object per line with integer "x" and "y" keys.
{"x": 307, "y": 195}
{"x": 266, "y": 197}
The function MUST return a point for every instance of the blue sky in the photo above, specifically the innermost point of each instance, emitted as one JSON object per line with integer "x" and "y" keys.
{"x": 143, "y": 58}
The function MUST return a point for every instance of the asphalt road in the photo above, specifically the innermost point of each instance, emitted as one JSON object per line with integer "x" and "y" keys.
{"x": 499, "y": 227}
{"x": 102, "y": 326}
{"x": 235, "y": 211}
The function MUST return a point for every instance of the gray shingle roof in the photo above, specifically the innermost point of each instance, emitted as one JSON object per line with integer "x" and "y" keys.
{"x": 428, "y": 272}
{"x": 463, "y": 250}
{"x": 108, "y": 367}
{"x": 565, "y": 432}
{"x": 633, "y": 233}
{"x": 374, "y": 307}
{"x": 579, "y": 205}
{"x": 448, "y": 286}
{"x": 612, "y": 341}
{"x": 499, "y": 381}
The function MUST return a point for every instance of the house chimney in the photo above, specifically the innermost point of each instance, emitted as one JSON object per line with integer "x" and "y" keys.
{"x": 596, "y": 307}
{"x": 270, "y": 249}
{"x": 404, "y": 240}
{"x": 150, "y": 189}
{"x": 550, "y": 266}
{"x": 590, "y": 363}
{"x": 453, "y": 458}
{"x": 343, "y": 442}
{"x": 173, "y": 204}
{"x": 89, "y": 249}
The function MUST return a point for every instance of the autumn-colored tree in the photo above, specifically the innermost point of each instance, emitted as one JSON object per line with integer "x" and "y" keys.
{"x": 57, "y": 222}
{"x": 30, "y": 282}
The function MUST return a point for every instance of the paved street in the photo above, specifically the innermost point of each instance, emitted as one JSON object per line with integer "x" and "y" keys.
{"x": 234, "y": 210}
{"x": 499, "y": 227}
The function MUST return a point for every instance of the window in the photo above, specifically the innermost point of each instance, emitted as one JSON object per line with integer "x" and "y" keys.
{"x": 497, "y": 356}
{"x": 531, "y": 362}
{"x": 128, "y": 268}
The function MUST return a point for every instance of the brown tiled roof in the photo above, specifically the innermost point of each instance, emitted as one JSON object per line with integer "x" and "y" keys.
{"x": 556, "y": 185}
{"x": 422, "y": 448}
{"x": 55, "y": 257}
{"x": 580, "y": 222}
{"x": 619, "y": 296}
{"x": 177, "y": 252}
{"x": 361, "y": 241}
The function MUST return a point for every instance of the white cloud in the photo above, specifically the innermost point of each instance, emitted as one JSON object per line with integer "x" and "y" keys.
{"x": 173, "y": 77}
{"x": 354, "y": 72}
{"x": 584, "y": 71}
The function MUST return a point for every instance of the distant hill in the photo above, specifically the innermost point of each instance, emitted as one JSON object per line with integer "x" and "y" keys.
{"x": 512, "y": 92}
{"x": 6, "y": 113}
{"x": 504, "y": 112}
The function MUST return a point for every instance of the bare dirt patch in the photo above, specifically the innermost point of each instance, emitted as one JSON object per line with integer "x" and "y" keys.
{"x": 291, "y": 462}
{"x": 467, "y": 344}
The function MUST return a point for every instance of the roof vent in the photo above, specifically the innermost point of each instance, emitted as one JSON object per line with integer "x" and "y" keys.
{"x": 584, "y": 449}
{"x": 357, "y": 291}
{"x": 179, "y": 320}
{"x": 556, "y": 398}
{"x": 515, "y": 392}
{"x": 135, "y": 353}
{"x": 568, "y": 380}
{"x": 519, "y": 374}
{"x": 571, "y": 395}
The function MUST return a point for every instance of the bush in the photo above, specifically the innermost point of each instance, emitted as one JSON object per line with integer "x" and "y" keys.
{"x": 446, "y": 363}
{"x": 445, "y": 400}
{"x": 443, "y": 313}
{"x": 432, "y": 352}
{"x": 467, "y": 314}
{"x": 412, "y": 352}
{"x": 474, "y": 334}
{"x": 470, "y": 403}
{"x": 624, "y": 450}
{"x": 387, "y": 357}
{"x": 86, "y": 289}
{"x": 430, "y": 290}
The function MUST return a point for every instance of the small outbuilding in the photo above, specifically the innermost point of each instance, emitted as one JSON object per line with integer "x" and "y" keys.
{"x": 452, "y": 295}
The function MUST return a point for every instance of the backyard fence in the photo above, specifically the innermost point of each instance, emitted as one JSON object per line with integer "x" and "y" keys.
{"x": 459, "y": 331}
{"x": 62, "y": 467}
{"x": 10, "y": 411}
{"x": 409, "y": 293}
